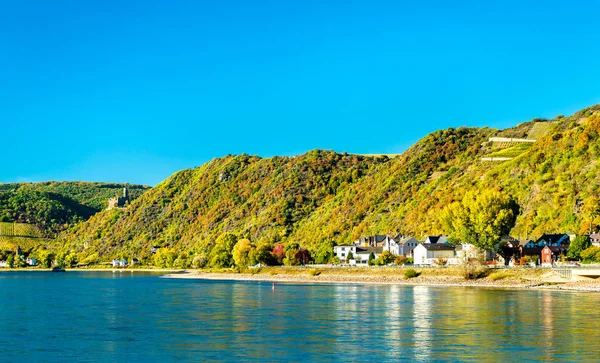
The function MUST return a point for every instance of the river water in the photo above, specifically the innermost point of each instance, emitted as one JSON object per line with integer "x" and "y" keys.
{"x": 105, "y": 316}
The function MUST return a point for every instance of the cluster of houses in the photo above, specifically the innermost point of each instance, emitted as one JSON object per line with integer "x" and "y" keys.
{"x": 434, "y": 250}
{"x": 119, "y": 263}
{"x": 29, "y": 261}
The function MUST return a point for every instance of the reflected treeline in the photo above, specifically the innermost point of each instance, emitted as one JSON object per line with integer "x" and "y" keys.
{"x": 147, "y": 318}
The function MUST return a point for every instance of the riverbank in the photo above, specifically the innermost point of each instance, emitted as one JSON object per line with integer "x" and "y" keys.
{"x": 111, "y": 269}
{"x": 497, "y": 278}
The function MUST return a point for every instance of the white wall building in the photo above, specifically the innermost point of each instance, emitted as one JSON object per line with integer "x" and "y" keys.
{"x": 400, "y": 246}
{"x": 428, "y": 253}
{"x": 359, "y": 255}
{"x": 343, "y": 251}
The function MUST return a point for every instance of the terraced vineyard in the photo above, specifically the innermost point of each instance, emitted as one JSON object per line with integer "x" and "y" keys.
{"x": 512, "y": 151}
{"x": 24, "y": 235}
{"x": 26, "y": 243}
{"x": 8, "y": 229}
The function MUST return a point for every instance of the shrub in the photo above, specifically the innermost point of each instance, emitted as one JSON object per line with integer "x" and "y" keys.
{"x": 474, "y": 272}
{"x": 499, "y": 275}
{"x": 440, "y": 261}
{"x": 410, "y": 273}
{"x": 314, "y": 272}
{"x": 400, "y": 260}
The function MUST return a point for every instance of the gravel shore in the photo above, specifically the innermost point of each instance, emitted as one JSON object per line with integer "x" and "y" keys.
{"x": 548, "y": 282}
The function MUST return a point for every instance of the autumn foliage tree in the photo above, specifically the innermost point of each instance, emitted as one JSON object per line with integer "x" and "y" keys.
{"x": 241, "y": 252}
{"x": 480, "y": 218}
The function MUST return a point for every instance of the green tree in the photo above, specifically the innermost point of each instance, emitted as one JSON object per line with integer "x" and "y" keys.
{"x": 591, "y": 254}
{"x": 182, "y": 261}
{"x": 241, "y": 252}
{"x": 324, "y": 253}
{"x": 290, "y": 254}
{"x": 164, "y": 258}
{"x": 70, "y": 259}
{"x": 371, "y": 259}
{"x": 349, "y": 257}
{"x": 385, "y": 258}
{"x": 221, "y": 254}
{"x": 199, "y": 261}
{"x": 591, "y": 212}
{"x": 262, "y": 254}
{"x": 481, "y": 218}
{"x": 579, "y": 244}
{"x": 10, "y": 261}
{"x": 60, "y": 260}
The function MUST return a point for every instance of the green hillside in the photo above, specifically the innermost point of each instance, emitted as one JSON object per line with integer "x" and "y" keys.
{"x": 53, "y": 206}
{"x": 323, "y": 197}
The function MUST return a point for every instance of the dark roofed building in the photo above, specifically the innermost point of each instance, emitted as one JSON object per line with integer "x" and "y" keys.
{"x": 556, "y": 240}
{"x": 436, "y": 240}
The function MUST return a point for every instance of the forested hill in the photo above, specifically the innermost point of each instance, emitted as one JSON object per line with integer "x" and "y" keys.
{"x": 54, "y": 206}
{"x": 323, "y": 197}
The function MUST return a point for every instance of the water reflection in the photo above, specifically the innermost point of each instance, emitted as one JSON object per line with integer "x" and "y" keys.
{"x": 143, "y": 318}
{"x": 422, "y": 310}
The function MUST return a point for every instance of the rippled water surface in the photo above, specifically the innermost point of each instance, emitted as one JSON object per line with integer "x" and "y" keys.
{"x": 87, "y": 316}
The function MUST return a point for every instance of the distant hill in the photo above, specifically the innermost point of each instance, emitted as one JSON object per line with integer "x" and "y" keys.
{"x": 322, "y": 197}
{"x": 53, "y": 206}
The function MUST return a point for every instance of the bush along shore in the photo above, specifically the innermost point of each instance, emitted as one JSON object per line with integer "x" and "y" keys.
{"x": 522, "y": 278}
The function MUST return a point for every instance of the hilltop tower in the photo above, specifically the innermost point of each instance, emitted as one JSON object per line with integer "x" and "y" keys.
{"x": 119, "y": 202}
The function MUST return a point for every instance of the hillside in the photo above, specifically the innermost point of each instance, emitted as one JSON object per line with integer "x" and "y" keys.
{"x": 323, "y": 197}
{"x": 23, "y": 235}
{"x": 55, "y": 205}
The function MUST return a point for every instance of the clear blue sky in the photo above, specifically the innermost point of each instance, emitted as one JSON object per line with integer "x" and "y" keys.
{"x": 132, "y": 91}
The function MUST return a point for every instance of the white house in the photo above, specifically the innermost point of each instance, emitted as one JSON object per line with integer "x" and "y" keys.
{"x": 31, "y": 262}
{"x": 465, "y": 251}
{"x": 343, "y": 251}
{"x": 3, "y": 264}
{"x": 428, "y": 253}
{"x": 119, "y": 263}
{"x": 377, "y": 240}
{"x": 401, "y": 246}
{"x": 361, "y": 257}
{"x": 595, "y": 239}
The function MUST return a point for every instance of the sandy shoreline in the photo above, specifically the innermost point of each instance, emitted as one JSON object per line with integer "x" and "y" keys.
{"x": 155, "y": 270}
{"x": 547, "y": 281}
{"x": 546, "y": 284}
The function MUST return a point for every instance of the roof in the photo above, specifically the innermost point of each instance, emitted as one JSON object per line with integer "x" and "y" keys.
{"x": 553, "y": 238}
{"x": 438, "y": 246}
{"x": 595, "y": 235}
{"x": 432, "y": 239}
{"x": 368, "y": 250}
{"x": 406, "y": 239}
{"x": 524, "y": 242}
{"x": 436, "y": 239}
{"x": 380, "y": 237}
